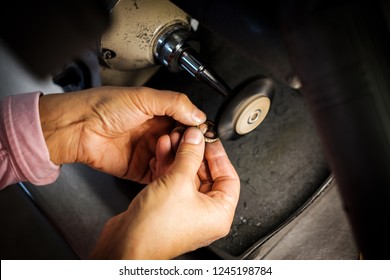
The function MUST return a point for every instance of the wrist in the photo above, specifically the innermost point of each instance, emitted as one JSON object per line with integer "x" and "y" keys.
{"x": 116, "y": 242}
{"x": 61, "y": 122}
{"x": 126, "y": 237}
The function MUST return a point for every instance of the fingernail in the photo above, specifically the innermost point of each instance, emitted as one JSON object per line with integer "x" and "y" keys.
{"x": 193, "y": 135}
{"x": 203, "y": 127}
{"x": 179, "y": 129}
{"x": 198, "y": 116}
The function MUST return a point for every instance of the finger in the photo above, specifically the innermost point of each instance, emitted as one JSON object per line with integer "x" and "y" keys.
{"x": 176, "y": 105}
{"x": 152, "y": 166}
{"x": 176, "y": 136}
{"x": 204, "y": 173}
{"x": 164, "y": 155}
{"x": 206, "y": 182}
{"x": 219, "y": 162}
{"x": 223, "y": 174}
{"x": 190, "y": 153}
{"x": 163, "y": 148}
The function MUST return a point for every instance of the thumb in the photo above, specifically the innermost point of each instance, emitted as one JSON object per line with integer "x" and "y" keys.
{"x": 190, "y": 152}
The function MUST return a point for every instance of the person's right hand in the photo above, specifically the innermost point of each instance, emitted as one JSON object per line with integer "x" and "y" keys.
{"x": 188, "y": 207}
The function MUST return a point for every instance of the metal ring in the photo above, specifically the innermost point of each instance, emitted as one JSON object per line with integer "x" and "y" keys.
{"x": 210, "y": 136}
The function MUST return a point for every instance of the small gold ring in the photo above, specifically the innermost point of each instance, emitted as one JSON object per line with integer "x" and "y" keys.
{"x": 210, "y": 135}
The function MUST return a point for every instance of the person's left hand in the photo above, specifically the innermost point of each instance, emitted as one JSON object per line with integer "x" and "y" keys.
{"x": 113, "y": 129}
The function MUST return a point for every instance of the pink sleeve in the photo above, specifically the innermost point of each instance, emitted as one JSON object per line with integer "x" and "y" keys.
{"x": 23, "y": 152}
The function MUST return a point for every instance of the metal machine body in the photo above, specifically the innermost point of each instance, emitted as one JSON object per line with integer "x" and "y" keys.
{"x": 146, "y": 33}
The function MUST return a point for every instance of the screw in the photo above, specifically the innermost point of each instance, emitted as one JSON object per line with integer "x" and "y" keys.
{"x": 108, "y": 54}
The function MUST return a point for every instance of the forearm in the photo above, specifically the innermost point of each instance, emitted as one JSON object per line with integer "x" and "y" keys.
{"x": 23, "y": 152}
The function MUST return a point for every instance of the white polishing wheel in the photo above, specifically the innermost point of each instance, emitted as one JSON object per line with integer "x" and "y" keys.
{"x": 246, "y": 108}
{"x": 253, "y": 113}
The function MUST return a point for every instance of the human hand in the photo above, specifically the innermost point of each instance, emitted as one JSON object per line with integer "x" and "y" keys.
{"x": 188, "y": 207}
{"x": 113, "y": 129}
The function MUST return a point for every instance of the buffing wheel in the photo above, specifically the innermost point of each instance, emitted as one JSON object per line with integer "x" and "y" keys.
{"x": 245, "y": 108}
